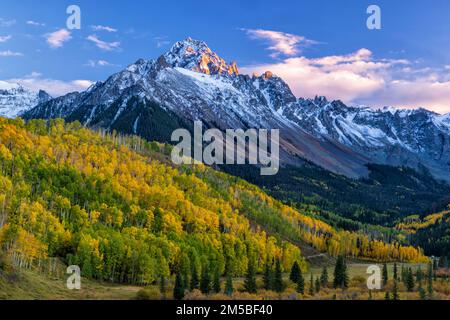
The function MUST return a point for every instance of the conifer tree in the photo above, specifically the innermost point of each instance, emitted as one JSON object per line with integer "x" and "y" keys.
{"x": 340, "y": 274}
{"x": 395, "y": 295}
{"x": 385, "y": 274}
{"x": 311, "y": 286}
{"x": 194, "y": 278}
{"x": 324, "y": 277}
{"x": 250, "y": 277}
{"x": 178, "y": 290}
{"x": 419, "y": 276}
{"x": 435, "y": 268}
{"x": 229, "y": 285}
{"x": 205, "y": 281}
{"x": 410, "y": 281}
{"x": 422, "y": 293}
{"x": 295, "y": 270}
{"x": 301, "y": 283}
{"x": 267, "y": 276}
{"x": 317, "y": 285}
{"x": 278, "y": 277}
{"x": 430, "y": 280}
{"x": 216, "y": 281}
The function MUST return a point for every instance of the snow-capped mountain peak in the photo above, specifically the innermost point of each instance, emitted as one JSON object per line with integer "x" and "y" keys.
{"x": 195, "y": 55}
{"x": 16, "y": 99}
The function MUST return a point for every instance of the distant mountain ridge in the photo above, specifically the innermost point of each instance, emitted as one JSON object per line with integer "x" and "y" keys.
{"x": 191, "y": 82}
{"x": 15, "y": 99}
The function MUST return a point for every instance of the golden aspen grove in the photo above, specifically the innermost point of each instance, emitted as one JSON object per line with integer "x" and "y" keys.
{"x": 117, "y": 208}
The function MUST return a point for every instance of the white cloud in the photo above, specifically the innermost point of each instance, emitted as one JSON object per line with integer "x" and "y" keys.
{"x": 7, "y": 23}
{"x": 55, "y": 88}
{"x": 35, "y": 23}
{"x": 9, "y": 53}
{"x": 360, "y": 78}
{"x": 281, "y": 42}
{"x": 108, "y": 46}
{"x": 4, "y": 38}
{"x": 56, "y": 39}
{"x": 98, "y": 63}
{"x": 103, "y": 28}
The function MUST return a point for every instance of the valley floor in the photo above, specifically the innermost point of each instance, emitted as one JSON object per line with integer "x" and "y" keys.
{"x": 30, "y": 285}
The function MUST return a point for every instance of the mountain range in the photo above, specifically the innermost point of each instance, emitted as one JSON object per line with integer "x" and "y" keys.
{"x": 16, "y": 99}
{"x": 190, "y": 82}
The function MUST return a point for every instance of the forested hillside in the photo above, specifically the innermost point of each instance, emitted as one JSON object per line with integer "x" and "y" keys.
{"x": 431, "y": 232}
{"x": 117, "y": 208}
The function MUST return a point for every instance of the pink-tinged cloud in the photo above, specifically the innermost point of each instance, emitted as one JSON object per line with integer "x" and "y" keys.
{"x": 54, "y": 87}
{"x": 280, "y": 42}
{"x": 5, "y": 38}
{"x": 107, "y": 46}
{"x": 359, "y": 78}
{"x": 56, "y": 39}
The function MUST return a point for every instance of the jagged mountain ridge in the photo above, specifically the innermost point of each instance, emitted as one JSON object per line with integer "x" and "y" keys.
{"x": 194, "y": 83}
{"x": 387, "y": 135}
{"x": 15, "y": 99}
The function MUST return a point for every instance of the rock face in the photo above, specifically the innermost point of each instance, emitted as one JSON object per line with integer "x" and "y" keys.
{"x": 15, "y": 99}
{"x": 191, "y": 82}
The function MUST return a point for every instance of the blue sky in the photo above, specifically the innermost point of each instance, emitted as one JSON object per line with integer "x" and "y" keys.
{"x": 318, "y": 46}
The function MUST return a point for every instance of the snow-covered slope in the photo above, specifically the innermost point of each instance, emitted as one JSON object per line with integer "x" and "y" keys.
{"x": 194, "y": 83}
{"x": 15, "y": 99}
{"x": 387, "y": 135}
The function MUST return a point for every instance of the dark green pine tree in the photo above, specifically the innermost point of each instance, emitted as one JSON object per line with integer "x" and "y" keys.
{"x": 267, "y": 276}
{"x": 385, "y": 274}
{"x": 278, "y": 284}
{"x": 403, "y": 274}
{"x": 422, "y": 293}
{"x": 229, "y": 285}
{"x": 216, "y": 281}
{"x": 419, "y": 276}
{"x": 395, "y": 271}
{"x": 410, "y": 285}
{"x": 317, "y": 285}
{"x": 205, "y": 281}
{"x": 295, "y": 271}
{"x": 346, "y": 282}
{"x": 301, "y": 283}
{"x": 195, "y": 283}
{"x": 340, "y": 274}
{"x": 430, "y": 280}
{"x": 178, "y": 290}
{"x": 311, "y": 286}
{"x": 395, "y": 295}
{"x": 250, "y": 277}
{"x": 324, "y": 277}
